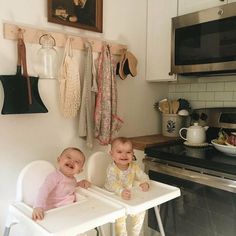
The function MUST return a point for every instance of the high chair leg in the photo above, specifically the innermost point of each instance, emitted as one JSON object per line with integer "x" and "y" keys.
{"x": 9, "y": 223}
{"x": 112, "y": 228}
{"x": 101, "y": 231}
{"x": 6, "y": 231}
{"x": 157, "y": 212}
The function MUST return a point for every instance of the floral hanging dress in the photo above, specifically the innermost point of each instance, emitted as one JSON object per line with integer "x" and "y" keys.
{"x": 107, "y": 123}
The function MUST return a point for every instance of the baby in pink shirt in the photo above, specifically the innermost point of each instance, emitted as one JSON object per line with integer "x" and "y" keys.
{"x": 59, "y": 186}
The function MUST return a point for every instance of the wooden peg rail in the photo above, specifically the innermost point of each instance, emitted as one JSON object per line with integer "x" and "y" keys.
{"x": 32, "y": 35}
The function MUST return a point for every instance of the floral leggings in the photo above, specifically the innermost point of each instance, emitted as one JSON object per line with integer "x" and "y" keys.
{"x": 136, "y": 225}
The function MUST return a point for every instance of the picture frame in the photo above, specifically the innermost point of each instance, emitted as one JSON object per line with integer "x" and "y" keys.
{"x": 82, "y": 14}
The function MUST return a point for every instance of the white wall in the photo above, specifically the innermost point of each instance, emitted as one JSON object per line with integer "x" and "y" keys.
{"x": 24, "y": 138}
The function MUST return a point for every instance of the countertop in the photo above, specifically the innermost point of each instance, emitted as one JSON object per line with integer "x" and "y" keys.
{"x": 141, "y": 142}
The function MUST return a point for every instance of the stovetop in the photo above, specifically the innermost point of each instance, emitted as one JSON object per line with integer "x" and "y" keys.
{"x": 203, "y": 157}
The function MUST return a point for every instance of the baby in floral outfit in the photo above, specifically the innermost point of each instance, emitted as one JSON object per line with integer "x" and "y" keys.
{"x": 122, "y": 175}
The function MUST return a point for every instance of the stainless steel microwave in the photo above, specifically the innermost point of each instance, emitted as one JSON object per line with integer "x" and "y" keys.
{"x": 204, "y": 42}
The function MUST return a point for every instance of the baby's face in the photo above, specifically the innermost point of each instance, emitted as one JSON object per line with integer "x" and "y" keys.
{"x": 71, "y": 162}
{"x": 122, "y": 154}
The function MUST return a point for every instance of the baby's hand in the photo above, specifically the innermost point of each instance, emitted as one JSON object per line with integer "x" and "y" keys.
{"x": 38, "y": 213}
{"x": 126, "y": 194}
{"x": 84, "y": 184}
{"x": 144, "y": 186}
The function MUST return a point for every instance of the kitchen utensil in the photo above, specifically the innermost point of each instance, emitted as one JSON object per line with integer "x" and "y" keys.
{"x": 161, "y": 107}
{"x": 21, "y": 94}
{"x": 164, "y": 106}
{"x": 196, "y": 134}
{"x": 170, "y": 107}
{"x": 175, "y": 106}
{"x": 226, "y": 149}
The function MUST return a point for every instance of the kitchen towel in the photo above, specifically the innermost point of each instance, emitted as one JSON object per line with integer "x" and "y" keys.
{"x": 86, "y": 114}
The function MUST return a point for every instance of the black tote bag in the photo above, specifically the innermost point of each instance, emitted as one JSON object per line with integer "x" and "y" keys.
{"x": 21, "y": 93}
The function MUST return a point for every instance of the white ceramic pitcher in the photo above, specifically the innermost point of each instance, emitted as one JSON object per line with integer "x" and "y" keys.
{"x": 196, "y": 134}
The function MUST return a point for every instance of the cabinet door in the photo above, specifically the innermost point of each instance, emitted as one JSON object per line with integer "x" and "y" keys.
{"x": 159, "y": 14}
{"x": 229, "y": 1}
{"x": 187, "y": 6}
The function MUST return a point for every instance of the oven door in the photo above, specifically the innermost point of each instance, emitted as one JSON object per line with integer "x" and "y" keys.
{"x": 199, "y": 211}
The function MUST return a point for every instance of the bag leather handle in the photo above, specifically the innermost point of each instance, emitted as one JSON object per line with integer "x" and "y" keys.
{"x": 22, "y": 64}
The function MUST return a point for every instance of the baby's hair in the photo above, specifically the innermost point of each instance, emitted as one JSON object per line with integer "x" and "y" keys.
{"x": 121, "y": 140}
{"x": 75, "y": 149}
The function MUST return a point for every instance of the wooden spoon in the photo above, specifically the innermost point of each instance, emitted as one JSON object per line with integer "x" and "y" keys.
{"x": 170, "y": 107}
{"x": 175, "y": 106}
{"x": 164, "y": 106}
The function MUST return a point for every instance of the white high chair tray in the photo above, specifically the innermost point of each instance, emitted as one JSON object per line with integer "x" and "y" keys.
{"x": 140, "y": 201}
{"x": 90, "y": 211}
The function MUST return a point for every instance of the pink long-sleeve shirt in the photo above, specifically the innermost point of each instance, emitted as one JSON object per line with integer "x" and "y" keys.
{"x": 57, "y": 190}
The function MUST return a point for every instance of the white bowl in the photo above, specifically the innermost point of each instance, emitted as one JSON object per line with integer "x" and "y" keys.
{"x": 226, "y": 149}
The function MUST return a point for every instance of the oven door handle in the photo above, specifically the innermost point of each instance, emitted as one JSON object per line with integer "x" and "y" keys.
{"x": 194, "y": 176}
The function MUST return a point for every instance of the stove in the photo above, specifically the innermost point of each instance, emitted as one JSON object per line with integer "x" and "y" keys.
{"x": 205, "y": 176}
{"x": 205, "y": 160}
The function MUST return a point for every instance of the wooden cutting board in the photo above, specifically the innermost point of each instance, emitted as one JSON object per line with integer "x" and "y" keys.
{"x": 141, "y": 142}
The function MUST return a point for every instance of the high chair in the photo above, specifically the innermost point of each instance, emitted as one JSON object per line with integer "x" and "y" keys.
{"x": 28, "y": 183}
{"x": 88, "y": 212}
{"x": 158, "y": 193}
{"x": 97, "y": 164}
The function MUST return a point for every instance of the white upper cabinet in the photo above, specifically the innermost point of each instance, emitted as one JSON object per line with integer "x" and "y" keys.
{"x": 229, "y": 1}
{"x": 187, "y": 6}
{"x": 159, "y": 14}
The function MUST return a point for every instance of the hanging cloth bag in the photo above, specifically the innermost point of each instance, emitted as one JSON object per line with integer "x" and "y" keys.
{"x": 21, "y": 93}
{"x": 69, "y": 80}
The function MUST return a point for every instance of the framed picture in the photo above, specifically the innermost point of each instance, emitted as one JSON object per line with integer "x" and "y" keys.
{"x": 83, "y": 14}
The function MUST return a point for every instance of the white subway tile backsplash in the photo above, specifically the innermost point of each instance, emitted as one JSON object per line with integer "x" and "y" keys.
{"x": 198, "y": 87}
{"x": 231, "y": 86}
{"x": 224, "y": 96}
{"x": 172, "y": 96}
{"x": 215, "y": 86}
{"x": 191, "y": 96}
{"x": 197, "y": 104}
{"x": 229, "y": 104}
{"x": 211, "y": 79}
{"x": 182, "y": 87}
{"x": 214, "y": 104}
{"x": 172, "y": 88}
{"x": 206, "y": 96}
{"x": 205, "y": 91}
